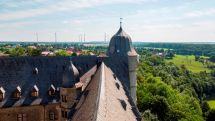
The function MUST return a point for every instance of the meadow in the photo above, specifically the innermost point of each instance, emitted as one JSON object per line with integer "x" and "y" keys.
{"x": 211, "y": 103}
{"x": 189, "y": 62}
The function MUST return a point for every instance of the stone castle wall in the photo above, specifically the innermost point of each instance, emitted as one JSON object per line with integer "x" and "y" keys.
{"x": 33, "y": 113}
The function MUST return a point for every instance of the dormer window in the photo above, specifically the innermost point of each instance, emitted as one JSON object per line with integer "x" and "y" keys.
{"x": 35, "y": 71}
{"x": 51, "y": 90}
{"x": 35, "y": 91}
{"x": 2, "y": 93}
{"x": 17, "y": 93}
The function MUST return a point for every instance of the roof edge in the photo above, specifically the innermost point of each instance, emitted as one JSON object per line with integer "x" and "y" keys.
{"x": 101, "y": 91}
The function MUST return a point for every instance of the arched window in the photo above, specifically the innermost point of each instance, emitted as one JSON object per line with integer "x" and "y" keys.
{"x": 17, "y": 93}
{"x": 2, "y": 93}
{"x": 35, "y": 91}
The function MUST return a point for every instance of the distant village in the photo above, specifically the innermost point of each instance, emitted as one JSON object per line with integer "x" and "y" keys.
{"x": 35, "y": 49}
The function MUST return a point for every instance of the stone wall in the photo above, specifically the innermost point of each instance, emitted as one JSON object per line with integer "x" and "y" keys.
{"x": 33, "y": 113}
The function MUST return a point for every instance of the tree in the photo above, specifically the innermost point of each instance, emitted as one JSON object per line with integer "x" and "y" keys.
{"x": 213, "y": 73}
{"x": 62, "y": 53}
{"x": 33, "y": 52}
{"x": 205, "y": 107}
{"x": 197, "y": 58}
{"x": 210, "y": 116}
{"x": 18, "y": 51}
{"x": 74, "y": 54}
{"x": 212, "y": 58}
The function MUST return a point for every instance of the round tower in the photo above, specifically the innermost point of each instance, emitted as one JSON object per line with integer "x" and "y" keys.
{"x": 121, "y": 45}
{"x": 68, "y": 92}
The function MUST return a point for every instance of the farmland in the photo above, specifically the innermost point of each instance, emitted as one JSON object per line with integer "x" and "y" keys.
{"x": 189, "y": 62}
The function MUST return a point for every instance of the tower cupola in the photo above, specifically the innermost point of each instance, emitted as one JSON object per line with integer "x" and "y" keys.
{"x": 121, "y": 44}
{"x": 70, "y": 76}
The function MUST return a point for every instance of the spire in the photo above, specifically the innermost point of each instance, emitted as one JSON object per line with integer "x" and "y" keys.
{"x": 121, "y": 22}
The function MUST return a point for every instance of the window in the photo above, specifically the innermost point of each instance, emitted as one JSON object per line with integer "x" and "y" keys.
{"x": 64, "y": 114}
{"x": 50, "y": 93}
{"x": 21, "y": 117}
{"x": 34, "y": 94}
{"x": 64, "y": 98}
{"x": 1, "y": 96}
{"x": 35, "y": 91}
{"x": 35, "y": 71}
{"x": 51, "y": 90}
{"x": 51, "y": 116}
{"x": 17, "y": 93}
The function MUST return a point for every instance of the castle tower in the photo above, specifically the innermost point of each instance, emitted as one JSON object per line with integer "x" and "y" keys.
{"x": 68, "y": 92}
{"x": 121, "y": 45}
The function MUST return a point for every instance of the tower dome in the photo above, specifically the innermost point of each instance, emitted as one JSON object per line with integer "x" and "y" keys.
{"x": 121, "y": 44}
{"x": 70, "y": 75}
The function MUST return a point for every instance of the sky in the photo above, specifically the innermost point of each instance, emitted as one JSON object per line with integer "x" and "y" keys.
{"x": 143, "y": 20}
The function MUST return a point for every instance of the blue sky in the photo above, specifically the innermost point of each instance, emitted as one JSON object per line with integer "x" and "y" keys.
{"x": 144, "y": 20}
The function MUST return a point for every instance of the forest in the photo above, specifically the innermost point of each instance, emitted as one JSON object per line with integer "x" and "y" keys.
{"x": 167, "y": 92}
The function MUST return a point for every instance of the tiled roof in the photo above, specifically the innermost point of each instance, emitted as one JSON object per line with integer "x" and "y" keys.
{"x": 105, "y": 99}
{"x": 87, "y": 105}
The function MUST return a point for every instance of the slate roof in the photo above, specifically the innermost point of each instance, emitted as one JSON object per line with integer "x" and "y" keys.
{"x": 121, "y": 44}
{"x": 18, "y": 71}
{"x": 105, "y": 99}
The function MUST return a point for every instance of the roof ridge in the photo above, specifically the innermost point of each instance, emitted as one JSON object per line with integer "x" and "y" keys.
{"x": 101, "y": 95}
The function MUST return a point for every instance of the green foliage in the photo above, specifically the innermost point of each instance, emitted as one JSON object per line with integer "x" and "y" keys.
{"x": 18, "y": 51}
{"x": 148, "y": 116}
{"x": 62, "y": 53}
{"x": 210, "y": 115}
{"x": 155, "y": 91}
{"x": 74, "y": 54}
{"x": 23, "y": 51}
{"x": 212, "y": 58}
{"x": 33, "y": 52}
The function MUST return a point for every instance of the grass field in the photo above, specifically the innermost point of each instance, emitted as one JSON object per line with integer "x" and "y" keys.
{"x": 211, "y": 104}
{"x": 189, "y": 62}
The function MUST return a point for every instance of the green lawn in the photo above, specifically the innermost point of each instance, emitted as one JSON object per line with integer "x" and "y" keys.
{"x": 189, "y": 62}
{"x": 211, "y": 104}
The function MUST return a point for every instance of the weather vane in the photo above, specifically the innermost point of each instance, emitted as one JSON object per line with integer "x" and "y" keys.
{"x": 121, "y": 22}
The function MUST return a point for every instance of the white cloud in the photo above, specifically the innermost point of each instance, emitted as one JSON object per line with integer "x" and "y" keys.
{"x": 56, "y": 6}
{"x": 199, "y": 13}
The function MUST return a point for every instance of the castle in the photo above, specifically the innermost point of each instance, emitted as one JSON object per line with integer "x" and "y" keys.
{"x": 82, "y": 88}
